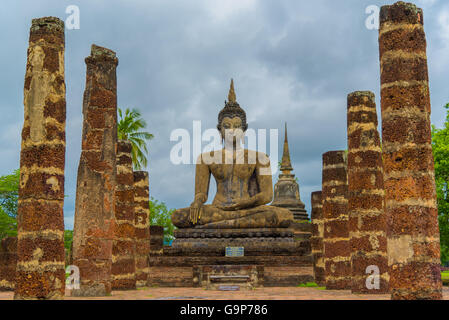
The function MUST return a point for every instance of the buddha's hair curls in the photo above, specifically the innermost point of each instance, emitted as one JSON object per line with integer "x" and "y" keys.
{"x": 231, "y": 110}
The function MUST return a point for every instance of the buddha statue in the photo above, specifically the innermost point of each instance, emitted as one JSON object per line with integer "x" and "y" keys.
{"x": 243, "y": 178}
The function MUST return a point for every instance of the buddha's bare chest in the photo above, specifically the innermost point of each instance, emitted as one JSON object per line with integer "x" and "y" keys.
{"x": 229, "y": 172}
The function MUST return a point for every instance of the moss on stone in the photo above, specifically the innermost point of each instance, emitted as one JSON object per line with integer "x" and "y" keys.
{"x": 50, "y": 23}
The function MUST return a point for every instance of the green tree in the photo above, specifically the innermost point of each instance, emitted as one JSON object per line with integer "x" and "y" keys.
{"x": 68, "y": 239}
{"x": 161, "y": 216}
{"x": 440, "y": 146}
{"x": 9, "y": 194}
{"x": 129, "y": 128}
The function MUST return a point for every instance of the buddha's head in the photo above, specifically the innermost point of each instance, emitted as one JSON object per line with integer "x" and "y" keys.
{"x": 232, "y": 118}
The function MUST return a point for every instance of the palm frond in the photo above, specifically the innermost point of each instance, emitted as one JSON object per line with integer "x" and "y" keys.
{"x": 129, "y": 128}
{"x": 142, "y": 135}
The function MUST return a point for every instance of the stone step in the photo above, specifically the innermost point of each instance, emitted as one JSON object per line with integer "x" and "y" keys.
{"x": 199, "y": 233}
{"x": 199, "y": 260}
{"x": 229, "y": 287}
{"x": 302, "y": 235}
{"x": 229, "y": 278}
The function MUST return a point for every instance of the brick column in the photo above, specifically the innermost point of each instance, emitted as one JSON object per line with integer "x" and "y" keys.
{"x": 95, "y": 199}
{"x": 411, "y": 208}
{"x": 337, "y": 260}
{"x": 40, "y": 217}
{"x": 316, "y": 240}
{"x": 123, "y": 249}
{"x": 367, "y": 222}
{"x": 8, "y": 263}
{"x": 142, "y": 226}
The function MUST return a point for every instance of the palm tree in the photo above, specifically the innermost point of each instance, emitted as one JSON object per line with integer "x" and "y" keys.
{"x": 128, "y": 128}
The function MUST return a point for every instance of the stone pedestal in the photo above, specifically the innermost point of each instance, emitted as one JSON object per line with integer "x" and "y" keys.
{"x": 285, "y": 262}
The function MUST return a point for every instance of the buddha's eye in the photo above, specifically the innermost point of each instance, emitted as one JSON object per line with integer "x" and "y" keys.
{"x": 226, "y": 126}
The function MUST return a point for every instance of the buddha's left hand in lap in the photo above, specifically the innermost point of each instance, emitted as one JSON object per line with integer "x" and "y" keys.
{"x": 239, "y": 205}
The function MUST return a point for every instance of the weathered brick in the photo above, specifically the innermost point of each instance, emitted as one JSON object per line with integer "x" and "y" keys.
{"x": 316, "y": 240}
{"x": 95, "y": 226}
{"x": 142, "y": 226}
{"x": 42, "y": 159}
{"x": 409, "y": 185}
{"x": 336, "y": 232}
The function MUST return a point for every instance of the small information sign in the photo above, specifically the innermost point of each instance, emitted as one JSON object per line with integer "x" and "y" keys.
{"x": 235, "y": 251}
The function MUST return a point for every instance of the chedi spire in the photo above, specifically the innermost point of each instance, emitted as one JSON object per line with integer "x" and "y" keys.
{"x": 286, "y": 165}
{"x": 286, "y": 190}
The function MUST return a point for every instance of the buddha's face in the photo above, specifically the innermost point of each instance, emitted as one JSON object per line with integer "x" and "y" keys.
{"x": 231, "y": 128}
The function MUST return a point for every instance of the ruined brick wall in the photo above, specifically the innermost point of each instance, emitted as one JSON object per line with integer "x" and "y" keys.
{"x": 367, "y": 222}
{"x": 157, "y": 238}
{"x": 41, "y": 266}
{"x": 95, "y": 198}
{"x": 142, "y": 226}
{"x": 337, "y": 251}
{"x": 8, "y": 262}
{"x": 123, "y": 249}
{"x": 411, "y": 208}
{"x": 316, "y": 239}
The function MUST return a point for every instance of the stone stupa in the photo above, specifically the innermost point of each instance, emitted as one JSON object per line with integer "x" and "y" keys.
{"x": 286, "y": 190}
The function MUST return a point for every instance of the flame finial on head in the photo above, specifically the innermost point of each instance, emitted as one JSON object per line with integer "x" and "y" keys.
{"x": 232, "y": 109}
{"x": 231, "y": 95}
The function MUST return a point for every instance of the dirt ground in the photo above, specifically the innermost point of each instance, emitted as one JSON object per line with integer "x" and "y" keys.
{"x": 296, "y": 293}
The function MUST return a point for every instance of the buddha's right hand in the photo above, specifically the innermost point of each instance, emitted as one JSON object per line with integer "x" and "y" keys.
{"x": 196, "y": 209}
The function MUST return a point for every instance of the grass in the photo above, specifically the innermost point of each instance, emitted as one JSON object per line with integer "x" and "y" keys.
{"x": 143, "y": 288}
{"x": 445, "y": 277}
{"x": 310, "y": 285}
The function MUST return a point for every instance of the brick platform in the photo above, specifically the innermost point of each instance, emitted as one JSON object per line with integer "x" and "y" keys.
{"x": 285, "y": 262}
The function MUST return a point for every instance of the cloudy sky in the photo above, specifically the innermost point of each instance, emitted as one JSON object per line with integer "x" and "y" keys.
{"x": 292, "y": 60}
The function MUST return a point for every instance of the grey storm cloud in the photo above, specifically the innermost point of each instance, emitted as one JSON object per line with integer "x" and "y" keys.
{"x": 292, "y": 61}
